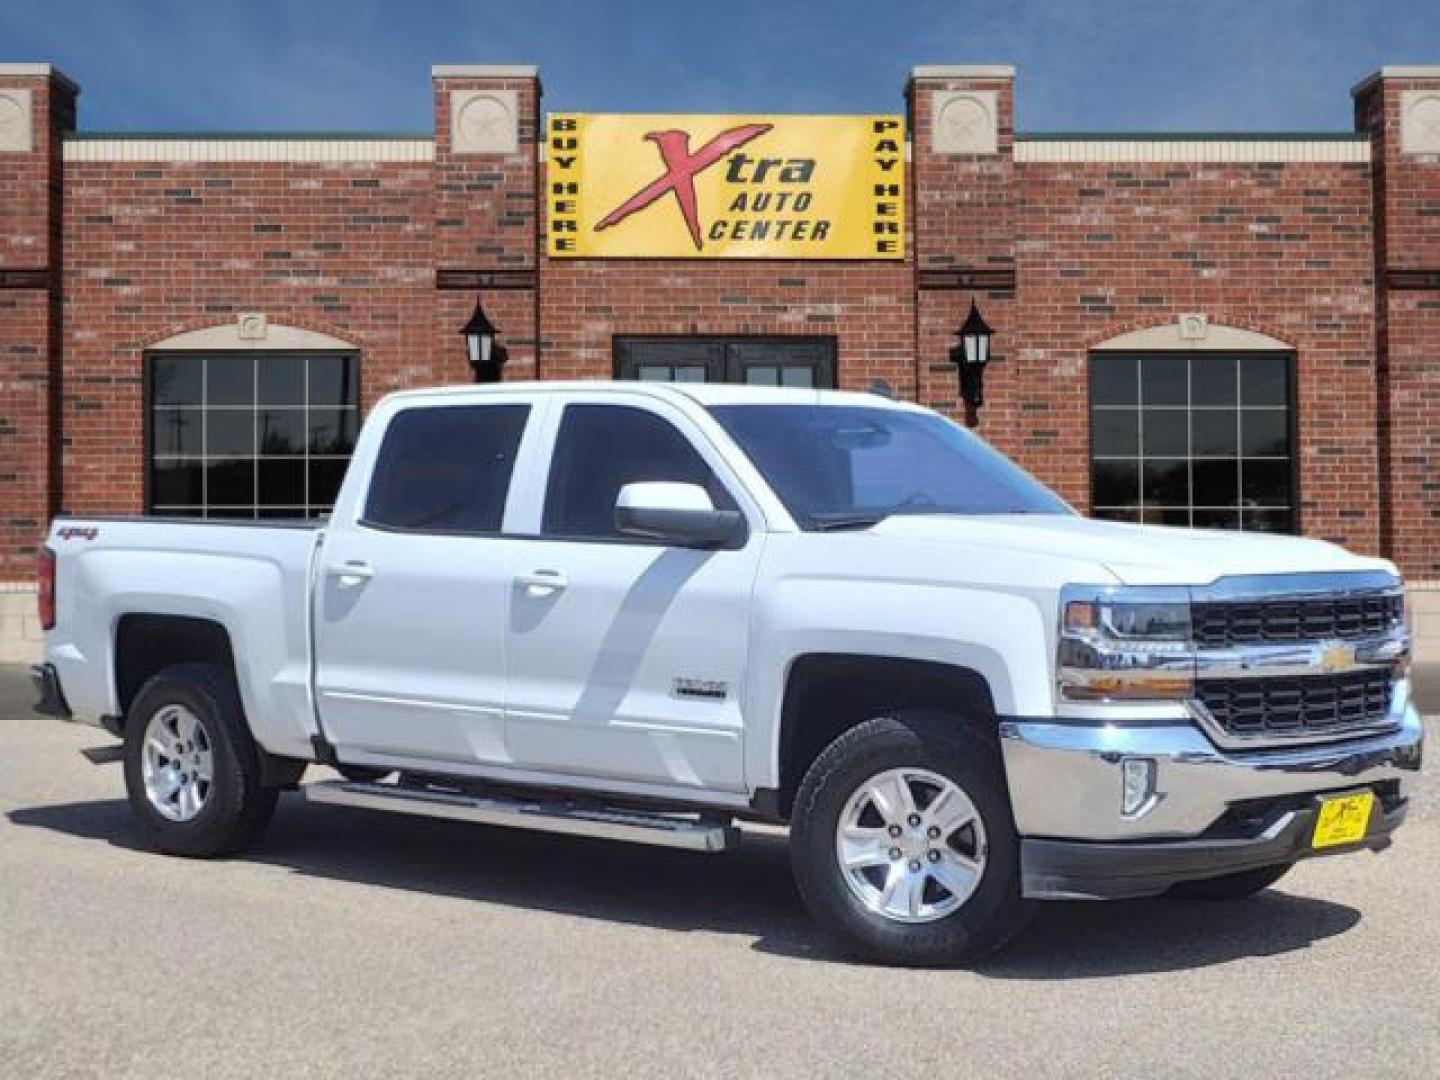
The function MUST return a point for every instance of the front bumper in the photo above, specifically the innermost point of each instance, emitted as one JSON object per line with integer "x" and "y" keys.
{"x": 1214, "y": 811}
{"x": 1069, "y": 869}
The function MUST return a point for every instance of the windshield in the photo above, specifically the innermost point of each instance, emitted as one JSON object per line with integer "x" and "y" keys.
{"x": 838, "y": 466}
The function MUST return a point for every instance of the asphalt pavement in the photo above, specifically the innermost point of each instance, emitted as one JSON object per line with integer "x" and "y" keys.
{"x": 352, "y": 943}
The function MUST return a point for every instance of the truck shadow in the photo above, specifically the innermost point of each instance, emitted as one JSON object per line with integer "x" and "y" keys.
{"x": 747, "y": 893}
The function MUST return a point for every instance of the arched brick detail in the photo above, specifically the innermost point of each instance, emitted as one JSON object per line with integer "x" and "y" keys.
{"x": 226, "y": 336}
{"x": 1278, "y": 339}
{"x": 156, "y": 335}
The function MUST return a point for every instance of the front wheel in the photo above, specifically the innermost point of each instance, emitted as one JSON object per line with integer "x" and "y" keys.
{"x": 903, "y": 844}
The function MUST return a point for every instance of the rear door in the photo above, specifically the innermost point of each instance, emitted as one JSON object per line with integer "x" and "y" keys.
{"x": 413, "y": 590}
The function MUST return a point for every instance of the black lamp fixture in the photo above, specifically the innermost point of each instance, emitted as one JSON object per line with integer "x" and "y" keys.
{"x": 486, "y": 355}
{"x": 971, "y": 355}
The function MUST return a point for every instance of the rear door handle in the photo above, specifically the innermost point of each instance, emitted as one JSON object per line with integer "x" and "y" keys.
{"x": 351, "y": 573}
{"x": 541, "y": 582}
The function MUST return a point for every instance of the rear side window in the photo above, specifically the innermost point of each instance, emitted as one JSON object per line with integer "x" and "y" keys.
{"x": 600, "y": 449}
{"x": 446, "y": 469}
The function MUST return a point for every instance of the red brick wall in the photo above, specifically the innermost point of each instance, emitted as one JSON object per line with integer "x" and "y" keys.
{"x": 157, "y": 248}
{"x": 486, "y": 205}
{"x": 1100, "y": 249}
{"x": 866, "y": 306}
{"x": 1060, "y": 256}
{"x": 1283, "y": 249}
{"x": 963, "y": 204}
{"x": 30, "y": 257}
{"x": 486, "y": 218}
{"x": 350, "y": 249}
{"x": 964, "y": 211}
{"x": 1407, "y": 209}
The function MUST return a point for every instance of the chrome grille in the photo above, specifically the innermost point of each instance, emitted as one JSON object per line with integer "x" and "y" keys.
{"x": 1315, "y": 705}
{"x": 1223, "y": 624}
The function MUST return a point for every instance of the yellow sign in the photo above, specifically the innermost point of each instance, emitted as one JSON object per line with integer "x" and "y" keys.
{"x": 727, "y": 187}
{"x": 1343, "y": 820}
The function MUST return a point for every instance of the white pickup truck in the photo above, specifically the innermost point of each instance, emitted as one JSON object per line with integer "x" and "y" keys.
{"x": 644, "y": 612}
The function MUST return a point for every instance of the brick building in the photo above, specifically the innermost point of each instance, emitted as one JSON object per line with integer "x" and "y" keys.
{"x": 1208, "y": 329}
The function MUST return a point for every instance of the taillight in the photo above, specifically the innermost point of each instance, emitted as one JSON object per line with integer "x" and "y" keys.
{"x": 45, "y": 573}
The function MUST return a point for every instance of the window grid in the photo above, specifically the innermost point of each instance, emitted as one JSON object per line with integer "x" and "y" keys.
{"x": 258, "y": 507}
{"x": 805, "y": 361}
{"x": 1247, "y": 513}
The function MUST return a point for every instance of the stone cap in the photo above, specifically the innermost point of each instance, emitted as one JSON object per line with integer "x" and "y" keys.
{"x": 1397, "y": 71}
{"x": 485, "y": 71}
{"x": 42, "y": 71}
{"x": 962, "y": 71}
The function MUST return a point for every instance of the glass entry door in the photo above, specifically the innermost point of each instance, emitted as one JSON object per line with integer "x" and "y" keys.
{"x": 759, "y": 361}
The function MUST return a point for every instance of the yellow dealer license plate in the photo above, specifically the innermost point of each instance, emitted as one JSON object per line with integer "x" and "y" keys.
{"x": 1343, "y": 819}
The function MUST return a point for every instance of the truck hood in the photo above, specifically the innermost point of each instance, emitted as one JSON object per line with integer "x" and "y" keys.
{"x": 1134, "y": 554}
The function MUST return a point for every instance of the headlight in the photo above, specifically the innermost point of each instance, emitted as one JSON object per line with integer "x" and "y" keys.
{"x": 1125, "y": 644}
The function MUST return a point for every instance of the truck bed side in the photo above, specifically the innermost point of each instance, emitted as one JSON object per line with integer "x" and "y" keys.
{"x": 251, "y": 581}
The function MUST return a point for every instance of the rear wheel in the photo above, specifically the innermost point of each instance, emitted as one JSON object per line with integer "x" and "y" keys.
{"x": 903, "y": 844}
{"x": 192, "y": 771}
{"x": 1231, "y": 886}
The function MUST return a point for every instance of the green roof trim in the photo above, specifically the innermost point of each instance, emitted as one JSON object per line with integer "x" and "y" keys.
{"x": 1191, "y": 136}
{"x": 251, "y": 136}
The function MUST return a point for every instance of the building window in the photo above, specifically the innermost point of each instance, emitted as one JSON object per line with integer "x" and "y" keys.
{"x": 759, "y": 361}
{"x": 249, "y": 435}
{"x": 1203, "y": 439}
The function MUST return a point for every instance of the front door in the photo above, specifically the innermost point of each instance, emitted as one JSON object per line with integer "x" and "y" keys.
{"x": 626, "y": 656}
{"x": 758, "y": 361}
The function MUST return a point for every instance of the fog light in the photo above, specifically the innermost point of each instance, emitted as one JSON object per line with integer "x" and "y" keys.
{"x": 1137, "y": 788}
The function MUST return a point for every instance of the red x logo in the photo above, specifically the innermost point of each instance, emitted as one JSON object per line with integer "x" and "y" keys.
{"x": 681, "y": 168}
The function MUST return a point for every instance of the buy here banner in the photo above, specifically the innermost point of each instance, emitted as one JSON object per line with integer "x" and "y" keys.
{"x": 729, "y": 187}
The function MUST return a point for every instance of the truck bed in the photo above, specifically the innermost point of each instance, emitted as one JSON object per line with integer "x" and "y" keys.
{"x": 253, "y": 577}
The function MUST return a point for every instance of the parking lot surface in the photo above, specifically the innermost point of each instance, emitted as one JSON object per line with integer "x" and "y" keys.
{"x": 356, "y": 944}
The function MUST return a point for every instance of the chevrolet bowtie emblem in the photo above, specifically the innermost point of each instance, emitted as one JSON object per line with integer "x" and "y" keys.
{"x": 1337, "y": 658}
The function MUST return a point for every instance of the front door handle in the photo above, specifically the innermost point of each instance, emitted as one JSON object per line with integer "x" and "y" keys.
{"x": 542, "y": 582}
{"x": 351, "y": 573}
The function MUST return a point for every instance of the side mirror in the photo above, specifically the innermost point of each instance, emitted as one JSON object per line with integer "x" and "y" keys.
{"x": 679, "y": 514}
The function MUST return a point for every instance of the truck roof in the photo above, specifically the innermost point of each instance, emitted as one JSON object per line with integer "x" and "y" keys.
{"x": 705, "y": 394}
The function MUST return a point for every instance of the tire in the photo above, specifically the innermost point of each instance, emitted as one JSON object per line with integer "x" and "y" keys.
{"x": 225, "y": 812}
{"x": 1235, "y": 886}
{"x": 923, "y": 749}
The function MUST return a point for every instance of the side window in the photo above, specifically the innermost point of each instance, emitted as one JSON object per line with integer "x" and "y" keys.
{"x": 600, "y": 449}
{"x": 446, "y": 469}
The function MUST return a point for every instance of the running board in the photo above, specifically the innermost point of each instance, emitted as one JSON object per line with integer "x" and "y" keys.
{"x": 558, "y": 817}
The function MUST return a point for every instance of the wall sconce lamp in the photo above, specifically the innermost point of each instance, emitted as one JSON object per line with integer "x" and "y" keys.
{"x": 486, "y": 355}
{"x": 970, "y": 355}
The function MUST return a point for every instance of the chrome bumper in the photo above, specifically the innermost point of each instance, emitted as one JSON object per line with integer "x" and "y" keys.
{"x": 1065, "y": 783}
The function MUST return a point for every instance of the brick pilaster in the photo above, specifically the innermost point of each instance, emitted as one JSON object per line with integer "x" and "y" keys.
{"x": 1400, "y": 108}
{"x": 37, "y": 105}
{"x": 963, "y": 199}
{"x": 486, "y": 206}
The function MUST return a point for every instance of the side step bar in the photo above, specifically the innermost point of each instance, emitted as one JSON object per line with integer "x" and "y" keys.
{"x": 558, "y": 817}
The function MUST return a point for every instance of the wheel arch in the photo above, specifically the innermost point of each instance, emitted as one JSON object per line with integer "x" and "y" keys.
{"x": 146, "y": 643}
{"x": 827, "y": 694}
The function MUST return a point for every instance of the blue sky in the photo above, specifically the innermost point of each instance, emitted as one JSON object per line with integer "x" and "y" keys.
{"x": 364, "y": 64}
